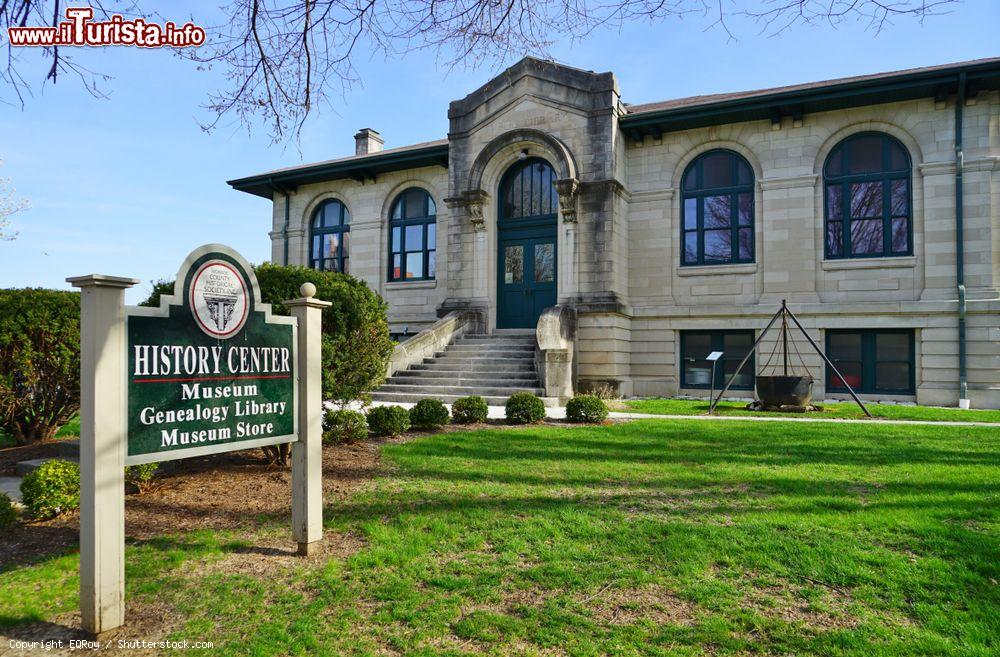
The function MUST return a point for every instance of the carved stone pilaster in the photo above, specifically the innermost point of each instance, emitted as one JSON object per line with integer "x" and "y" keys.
{"x": 472, "y": 202}
{"x": 568, "y": 190}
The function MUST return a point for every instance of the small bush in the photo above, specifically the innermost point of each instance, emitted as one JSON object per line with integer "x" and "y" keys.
{"x": 388, "y": 420}
{"x": 429, "y": 414}
{"x": 344, "y": 426}
{"x": 469, "y": 410}
{"x": 586, "y": 408}
{"x": 51, "y": 489}
{"x": 138, "y": 477}
{"x": 7, "y": 512}
{"x": 524, "y": 408}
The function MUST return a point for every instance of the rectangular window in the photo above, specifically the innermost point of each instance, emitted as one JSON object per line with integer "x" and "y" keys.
{"x": 696, "y": 371}
{"x": 871, "y": 361}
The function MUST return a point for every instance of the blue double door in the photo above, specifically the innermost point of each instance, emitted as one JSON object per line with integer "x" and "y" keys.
{"x": 526, "y": 281}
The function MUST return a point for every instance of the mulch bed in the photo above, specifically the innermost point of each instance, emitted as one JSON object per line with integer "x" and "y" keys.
{"x": 225, "y": 491}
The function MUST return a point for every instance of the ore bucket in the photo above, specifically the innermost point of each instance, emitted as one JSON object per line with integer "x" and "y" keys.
{"x": 776, "y": 391}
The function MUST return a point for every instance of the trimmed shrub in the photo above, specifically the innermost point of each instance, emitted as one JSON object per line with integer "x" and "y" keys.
{"x": 344, "y": 426}
{"x": 524, "y": 408}
{"x": 470, "y": 410}
{"x": 8, "y": 514}
{"x": 39, "y": 362}
{"x": 429, "y": 414}
{"x": 356, "y": 341}
{"x": 138, "y": 477}
{"x": 51, "y": 489}
{"x": 388, "y": 420}
{"x": 586, "y": 408}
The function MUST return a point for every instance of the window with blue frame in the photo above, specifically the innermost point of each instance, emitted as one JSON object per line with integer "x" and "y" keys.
{"x": 413, "y": 237}
{"x": 867, "y": 196}
{"x": 696, "y": 370}
{"x": 330, "y": 232}
{"x": 871, "y": 361}
{"x": 717, "y": 210}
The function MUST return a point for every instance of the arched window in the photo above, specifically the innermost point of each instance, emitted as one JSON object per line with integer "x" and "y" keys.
{"x": 528, "y": 190}
{"x": 867, "y": 198}
{"x": 413, "y": 236}
{"x": 330, "y": 237}
{"x": 717, "y": 210}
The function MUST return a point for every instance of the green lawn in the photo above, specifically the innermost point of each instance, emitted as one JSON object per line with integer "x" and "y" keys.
{"x": 647, "y": 538}
{"x": 840, "y": 410}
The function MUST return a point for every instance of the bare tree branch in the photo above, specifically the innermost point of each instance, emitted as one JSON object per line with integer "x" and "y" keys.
{"x": 9, "y": 206}
{"x": 284, "y": 58}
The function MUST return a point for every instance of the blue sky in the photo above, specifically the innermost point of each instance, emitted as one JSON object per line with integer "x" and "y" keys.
{"x": 129, "y": 185}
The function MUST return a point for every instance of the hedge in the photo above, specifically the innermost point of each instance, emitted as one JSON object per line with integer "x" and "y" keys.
{"x": 429, "y": 414}
{"x": 388, "y": 420}
{"x": 39, "y": 362}
{"x": 524, "y": 408}
{"x": 51, "y": 489}
{"x": 344, "y": 426}
{"x": 586, "y": 408}
{"x": 470, "y": 410}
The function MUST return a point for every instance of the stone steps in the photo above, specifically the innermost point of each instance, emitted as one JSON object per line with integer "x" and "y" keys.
{"x": 465, "y": 366}
{"x": 405, "y": 398}
{"x": 462, "y": 391}
{"x": 515, "y": 378}
{"x": 490, "y": 366}
{"x": 486, "y": 353}
{"x": 448, "y": 357}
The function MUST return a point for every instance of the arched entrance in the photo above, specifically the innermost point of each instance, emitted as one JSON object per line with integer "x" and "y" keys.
{"x": 526, "y": 241}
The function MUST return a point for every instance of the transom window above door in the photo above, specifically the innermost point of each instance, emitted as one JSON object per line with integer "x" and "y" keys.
{"x": 413, "y": 237}
{"x": 528, "y": 190}
{"x": 867, "y": 198}
{"x": 330, "y": 232}
{"x": 717, "y": 210}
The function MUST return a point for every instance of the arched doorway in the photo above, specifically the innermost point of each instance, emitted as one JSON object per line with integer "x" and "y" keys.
{"x": 526, "y": 241}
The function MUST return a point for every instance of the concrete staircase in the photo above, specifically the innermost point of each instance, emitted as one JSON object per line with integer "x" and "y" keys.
{"x": 492, "y": 366}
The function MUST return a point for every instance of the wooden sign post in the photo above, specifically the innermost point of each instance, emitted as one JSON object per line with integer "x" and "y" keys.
{"x": 211, "y": 370}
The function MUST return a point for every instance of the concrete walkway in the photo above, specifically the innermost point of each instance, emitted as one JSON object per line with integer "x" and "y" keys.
{"x": 559, "y": 413}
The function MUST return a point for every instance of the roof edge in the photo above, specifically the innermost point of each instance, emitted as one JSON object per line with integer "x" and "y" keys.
{"x": 864, "y": 91}
{"x": 358, "y": 167}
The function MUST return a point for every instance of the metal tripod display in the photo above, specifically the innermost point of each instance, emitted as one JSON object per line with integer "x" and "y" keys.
{"x": 785, "y": 314}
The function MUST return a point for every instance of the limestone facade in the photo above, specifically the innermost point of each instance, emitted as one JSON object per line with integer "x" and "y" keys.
{"x": 619, "y": 234}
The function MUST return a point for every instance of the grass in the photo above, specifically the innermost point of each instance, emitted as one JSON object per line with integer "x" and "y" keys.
{"x": 69, "y": 430}
{"x": 647, "y": 538}
{"x": 838, "y": 410}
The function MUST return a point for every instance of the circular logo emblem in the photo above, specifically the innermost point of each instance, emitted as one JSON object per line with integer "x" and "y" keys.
{"x": 219, "y": 299}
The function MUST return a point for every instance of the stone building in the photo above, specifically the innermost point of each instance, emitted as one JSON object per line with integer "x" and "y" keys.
{"x": 625, "y": 242}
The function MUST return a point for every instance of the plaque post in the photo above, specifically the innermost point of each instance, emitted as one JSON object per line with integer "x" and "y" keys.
{"x": 307, "y": 451}
{"x": 102, "y": 450}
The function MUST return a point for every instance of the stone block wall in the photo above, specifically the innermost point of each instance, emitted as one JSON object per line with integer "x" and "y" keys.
{"x": 412, "y": 304}
{"x": 917, "y": 292}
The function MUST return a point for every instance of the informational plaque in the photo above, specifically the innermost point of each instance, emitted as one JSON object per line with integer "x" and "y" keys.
{"x": 210, "y": 370}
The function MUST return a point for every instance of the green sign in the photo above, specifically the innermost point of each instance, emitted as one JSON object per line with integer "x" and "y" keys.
{"x": 210, "y": 370}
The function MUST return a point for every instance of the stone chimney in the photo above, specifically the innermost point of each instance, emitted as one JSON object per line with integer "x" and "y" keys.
{"x": 367, "y": 141}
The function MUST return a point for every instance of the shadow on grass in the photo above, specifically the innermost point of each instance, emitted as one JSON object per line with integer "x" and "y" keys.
{"x": 659, "y": 442}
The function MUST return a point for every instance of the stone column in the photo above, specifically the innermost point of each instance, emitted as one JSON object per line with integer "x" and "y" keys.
{"x": 307, "y": 451}
{"x": 569, "y": 263}
{"x": 103, "y": 364}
